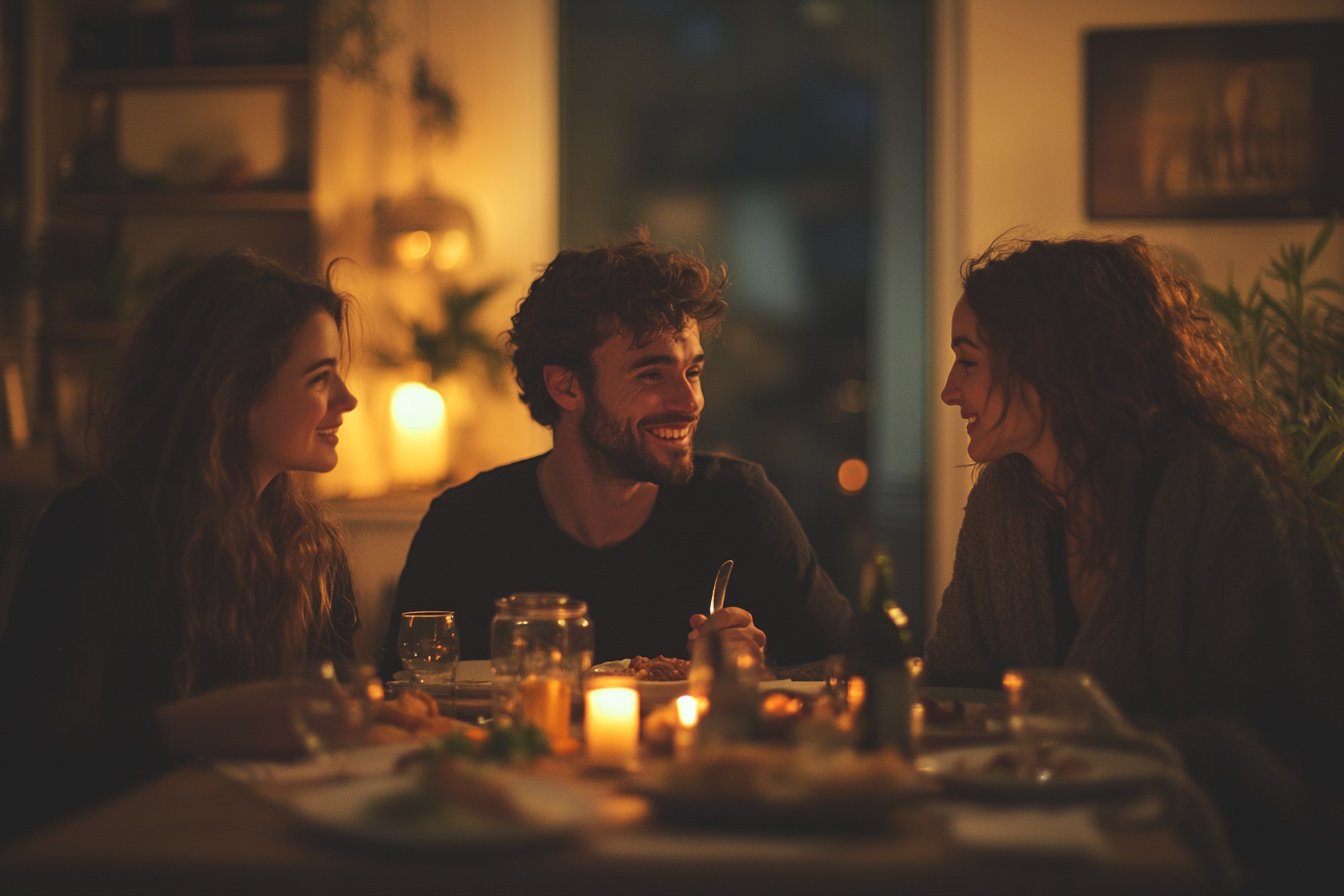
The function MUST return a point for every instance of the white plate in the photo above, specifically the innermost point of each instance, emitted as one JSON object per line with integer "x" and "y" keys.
{"x": 651, "y": 693}
{"x": 554, "y": 809}
{"x": 655, "y": 692}
{"x": 1107, "y": 772}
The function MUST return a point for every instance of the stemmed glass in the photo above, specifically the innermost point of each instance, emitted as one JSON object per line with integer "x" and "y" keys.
{"x": 427, "y": 645}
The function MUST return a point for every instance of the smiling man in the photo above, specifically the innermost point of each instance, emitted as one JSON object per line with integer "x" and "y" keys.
{"x": 621, "y": 513}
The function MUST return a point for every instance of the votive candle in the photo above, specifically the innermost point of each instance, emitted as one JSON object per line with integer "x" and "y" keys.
{"x": 611, "y": 725}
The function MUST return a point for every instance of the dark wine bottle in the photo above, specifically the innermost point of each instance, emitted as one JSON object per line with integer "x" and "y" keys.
{"x": 877, "y": 654}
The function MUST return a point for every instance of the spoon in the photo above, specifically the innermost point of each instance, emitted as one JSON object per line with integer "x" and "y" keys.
{"x": 720, "y": 587}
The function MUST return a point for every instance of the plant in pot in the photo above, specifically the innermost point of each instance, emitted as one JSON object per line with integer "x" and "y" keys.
{"x": 1288, "y": 334}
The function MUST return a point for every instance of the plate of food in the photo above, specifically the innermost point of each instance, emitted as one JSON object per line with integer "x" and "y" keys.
{"x": 772, "y": 787}
{"x": 456, "y": 805}
{"x": 1072, "y": 771}
{"x": 658, "y": 680}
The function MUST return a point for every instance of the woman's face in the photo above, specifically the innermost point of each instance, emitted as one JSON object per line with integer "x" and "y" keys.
{"x": 293, "y": 425}
{"x": 971, "y": 389}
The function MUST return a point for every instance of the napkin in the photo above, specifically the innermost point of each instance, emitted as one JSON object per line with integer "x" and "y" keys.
{"x": 806, "y": 688}
{"x": 1070, "y": 832}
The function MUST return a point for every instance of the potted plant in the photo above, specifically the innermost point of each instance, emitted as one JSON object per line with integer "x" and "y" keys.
{"x": 1288, "y": 335}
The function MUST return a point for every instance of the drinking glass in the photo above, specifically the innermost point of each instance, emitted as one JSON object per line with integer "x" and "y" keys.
{"x": 427, "y": 645}
{"x": 1049, "y": 708}
{"x": 331, "y": 706}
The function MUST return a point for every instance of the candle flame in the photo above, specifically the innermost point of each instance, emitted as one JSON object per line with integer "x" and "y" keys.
{"x": 417, "y": 407}
{"x": 688, "y": 711}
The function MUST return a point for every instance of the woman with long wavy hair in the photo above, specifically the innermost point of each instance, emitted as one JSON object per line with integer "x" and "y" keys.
{"x": 1137, "y": 518}
{"x": 166, "y": 599}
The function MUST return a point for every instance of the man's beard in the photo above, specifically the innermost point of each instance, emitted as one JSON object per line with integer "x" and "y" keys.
{"x": 619, "y": 452}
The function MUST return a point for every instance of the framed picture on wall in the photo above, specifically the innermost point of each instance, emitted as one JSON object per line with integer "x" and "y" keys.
{"x": 1228, "y": 122}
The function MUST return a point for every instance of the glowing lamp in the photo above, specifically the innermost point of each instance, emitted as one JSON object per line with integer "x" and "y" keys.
{"x": 411, "y": 249}
{"x": 423, "y": 230}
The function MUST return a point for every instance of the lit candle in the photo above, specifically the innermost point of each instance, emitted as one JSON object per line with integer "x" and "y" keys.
{"x": 688, "y": 716}
{"x": 419, "y": 435}
{"x": 611, "y": 725}
{"x": 688, "y": 710}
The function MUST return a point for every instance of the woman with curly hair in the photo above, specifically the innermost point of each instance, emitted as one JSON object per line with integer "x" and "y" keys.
{"x": 1137, "y": 518}
{"x": 165, "y": 599}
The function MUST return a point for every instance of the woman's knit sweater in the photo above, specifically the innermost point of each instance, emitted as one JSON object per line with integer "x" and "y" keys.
{"x": 1227, "y": 634}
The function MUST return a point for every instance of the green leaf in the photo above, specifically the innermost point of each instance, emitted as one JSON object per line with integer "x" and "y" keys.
{"x": 1325, "y": 283}
{"x": 1323, "y": 470}
{"x": 1322, "y": 238}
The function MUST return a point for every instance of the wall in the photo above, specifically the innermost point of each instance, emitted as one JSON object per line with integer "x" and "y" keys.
{"x": 1008, "y": 151}
{"x": 499, "y": 59}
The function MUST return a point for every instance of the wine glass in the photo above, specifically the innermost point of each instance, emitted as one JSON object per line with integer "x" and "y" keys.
{"x": 427, "y": 645}
{"x": 1049, "y": 708}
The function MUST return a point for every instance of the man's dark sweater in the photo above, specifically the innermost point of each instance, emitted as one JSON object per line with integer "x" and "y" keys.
{"x": 493, "y": 536}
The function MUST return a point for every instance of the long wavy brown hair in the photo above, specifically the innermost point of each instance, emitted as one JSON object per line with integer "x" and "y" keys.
{"x": 1130, "y": 369}
{"x": 251, "y": 580}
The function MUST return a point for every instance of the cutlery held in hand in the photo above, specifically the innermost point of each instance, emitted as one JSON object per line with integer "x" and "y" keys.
{"x": 720, "y": 587}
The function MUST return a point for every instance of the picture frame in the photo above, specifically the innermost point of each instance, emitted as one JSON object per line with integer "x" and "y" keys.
{"x": 1241, "y": 121}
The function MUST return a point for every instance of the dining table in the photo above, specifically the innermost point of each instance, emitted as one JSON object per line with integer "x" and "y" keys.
{"x": 220, "y": 827}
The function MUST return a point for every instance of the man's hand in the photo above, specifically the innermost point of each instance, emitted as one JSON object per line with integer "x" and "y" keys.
{"x": 734, "y": 625}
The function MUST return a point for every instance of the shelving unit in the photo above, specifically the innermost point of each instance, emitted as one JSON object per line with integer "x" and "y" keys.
{"x": 182, "y": 203}
{"x": 92, "y": 187}
{"x": 228, "y": 194}
{"x": 178, "y": 76}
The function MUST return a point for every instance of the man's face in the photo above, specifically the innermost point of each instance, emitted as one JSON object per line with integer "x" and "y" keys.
{"x": 641, "y": 412}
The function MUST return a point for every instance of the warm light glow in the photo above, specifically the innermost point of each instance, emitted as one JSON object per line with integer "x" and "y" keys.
{"x": 688, "y": 711}
{"x": 778, "y": 703}
{"x": 611, "y": 725}
{"x": 417, "y": 407}
{"x": 898, "y": 616}
{"x": 419, "y": 435}
{"x": 450, "y": 248}
{"x": 855, "y": 693}
{"x": 853, "y": 475}
{"x": 411, "y": 249}
{"x": 546, "y": 705}
{"x": 1012, "y": 683}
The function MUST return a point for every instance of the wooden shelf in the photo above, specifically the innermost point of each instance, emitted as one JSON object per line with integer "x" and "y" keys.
{"x": 185, "y": 76}
{"x": 179, "y": 203}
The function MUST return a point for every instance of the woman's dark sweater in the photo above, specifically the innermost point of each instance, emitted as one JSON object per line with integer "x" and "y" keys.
{"x": 88, "y": 658}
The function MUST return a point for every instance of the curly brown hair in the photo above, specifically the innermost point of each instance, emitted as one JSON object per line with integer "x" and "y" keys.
{"x": 583, "y": 297}
{"x": 252, "y": 581}
{"x": 1130, "y": 368}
